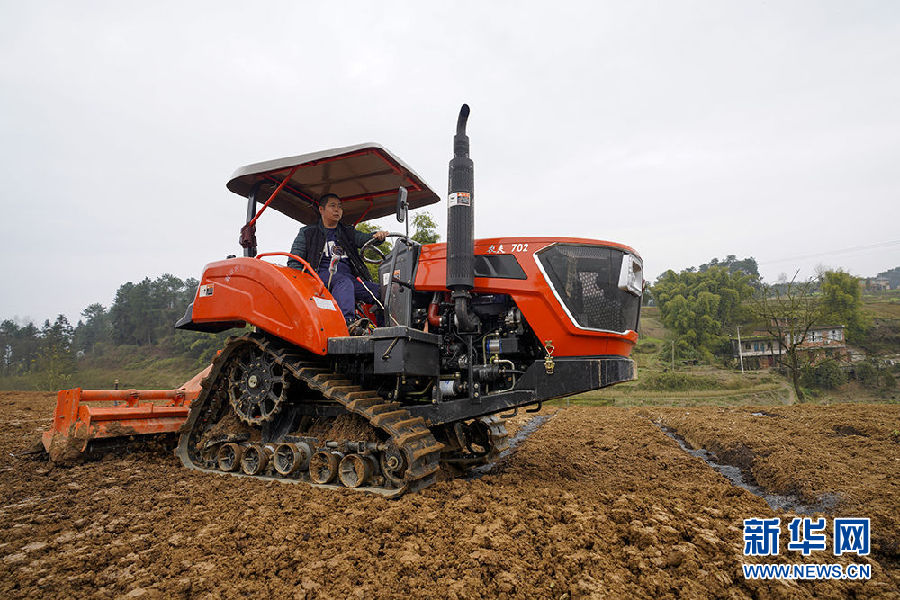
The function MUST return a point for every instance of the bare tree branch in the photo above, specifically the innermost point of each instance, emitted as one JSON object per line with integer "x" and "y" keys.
{"x": 788, "y": 311}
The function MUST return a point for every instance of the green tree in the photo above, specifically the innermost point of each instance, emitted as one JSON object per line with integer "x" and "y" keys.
{"x": 93, "y": 327}
{"x": 145, "y": 312}
{"x": 731, "y": 262}
{"x": 8, "y": 330}
{"x": 384, "y": 247}
{"x": 867, "y": 374}
{"x": 826, "y": 375}
{"x": 56, "y": 358}
{"x": 842, "y": 303}
{"x": 19, "y": 347}
{"x": 129, "y": 313}
{"x": 699, "y": 306}
{"x": 426, "y": 228}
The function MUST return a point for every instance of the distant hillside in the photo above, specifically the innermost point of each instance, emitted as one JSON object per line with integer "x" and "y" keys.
{"x": 893, "y": 276}
{"x": 883, "y": 337}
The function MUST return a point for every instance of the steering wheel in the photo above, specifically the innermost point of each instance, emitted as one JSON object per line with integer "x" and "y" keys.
{"x": 373, "y": 244}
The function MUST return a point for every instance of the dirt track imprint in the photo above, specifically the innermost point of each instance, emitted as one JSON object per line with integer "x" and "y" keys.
{"x": 595, "y": 503}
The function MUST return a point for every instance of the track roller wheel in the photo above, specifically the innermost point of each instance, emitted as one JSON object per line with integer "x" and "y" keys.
{"x": 393, "y": 465}
{"x": 289, "y": 458}
{"x": 477, "y": 437}
{"x": 323, "y": 466}
{"x": 255, "y": 459}
{"x": 356, "y": 470}
{"x": 229, "y": 456}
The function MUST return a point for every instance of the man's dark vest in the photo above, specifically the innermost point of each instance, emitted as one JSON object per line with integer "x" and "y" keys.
{"x": 315, "y": 247}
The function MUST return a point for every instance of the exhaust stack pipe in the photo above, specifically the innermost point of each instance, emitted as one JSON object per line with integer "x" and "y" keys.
{"x": 461, "y": 226}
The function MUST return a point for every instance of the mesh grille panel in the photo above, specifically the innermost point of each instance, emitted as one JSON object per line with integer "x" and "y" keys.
{"x": 586, "y": 279}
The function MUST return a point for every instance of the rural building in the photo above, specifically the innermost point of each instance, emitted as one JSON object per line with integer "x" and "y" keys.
{"x": 878, "y": 284}
{"x": 892, "y": 277}
{"x": 760, "y": 349}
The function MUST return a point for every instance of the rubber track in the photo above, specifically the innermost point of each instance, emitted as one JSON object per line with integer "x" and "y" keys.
{"x": 499, "y": 437}
{"x": 409, "y": 434}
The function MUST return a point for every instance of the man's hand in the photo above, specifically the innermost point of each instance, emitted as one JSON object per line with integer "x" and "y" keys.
{"x": 380, "y": 235}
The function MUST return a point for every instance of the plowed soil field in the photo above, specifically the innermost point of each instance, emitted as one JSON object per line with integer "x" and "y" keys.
{"x": 597, "y": 503}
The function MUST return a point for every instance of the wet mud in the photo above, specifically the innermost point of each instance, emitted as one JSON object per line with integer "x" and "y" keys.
{"x": 595, "y": 503}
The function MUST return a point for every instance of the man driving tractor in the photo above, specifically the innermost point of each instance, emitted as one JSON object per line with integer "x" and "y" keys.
{"x": 332, "y": 248}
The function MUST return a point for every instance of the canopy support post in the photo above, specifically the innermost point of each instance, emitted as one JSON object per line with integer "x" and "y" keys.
{"x": 250, "y": 249}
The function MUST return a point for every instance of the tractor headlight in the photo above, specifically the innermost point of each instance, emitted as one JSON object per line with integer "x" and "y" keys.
{"x": 631, "y": 277}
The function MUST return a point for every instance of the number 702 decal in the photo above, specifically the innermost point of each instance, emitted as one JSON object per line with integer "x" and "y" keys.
{"x": 513, "y": 248}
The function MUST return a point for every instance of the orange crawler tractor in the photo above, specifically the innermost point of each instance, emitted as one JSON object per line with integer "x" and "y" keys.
{"x": 473, "y": 329}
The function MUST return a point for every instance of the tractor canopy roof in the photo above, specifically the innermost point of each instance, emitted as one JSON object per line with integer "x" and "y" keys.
{"x": 365, "y": 176}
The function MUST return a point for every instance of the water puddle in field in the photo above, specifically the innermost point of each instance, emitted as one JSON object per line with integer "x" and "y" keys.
{"x": 737, "y": 477}
{"x": 524, "y": 432}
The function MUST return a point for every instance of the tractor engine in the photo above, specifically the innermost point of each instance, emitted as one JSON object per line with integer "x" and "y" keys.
{"x": 535, "y": 301}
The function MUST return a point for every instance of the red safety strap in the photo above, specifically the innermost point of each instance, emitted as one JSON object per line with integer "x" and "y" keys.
{"x": 363, "y": 216}
{"x": 284, "y": 181}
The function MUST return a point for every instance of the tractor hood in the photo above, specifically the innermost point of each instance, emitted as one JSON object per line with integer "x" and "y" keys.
{"x": 365, "y": 176}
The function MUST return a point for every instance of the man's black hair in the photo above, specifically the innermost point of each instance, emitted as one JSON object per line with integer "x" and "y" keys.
{"x": 323, "y": 200}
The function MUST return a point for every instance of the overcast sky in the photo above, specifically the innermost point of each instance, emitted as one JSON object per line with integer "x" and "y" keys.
{"x": 688, "y": 130}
